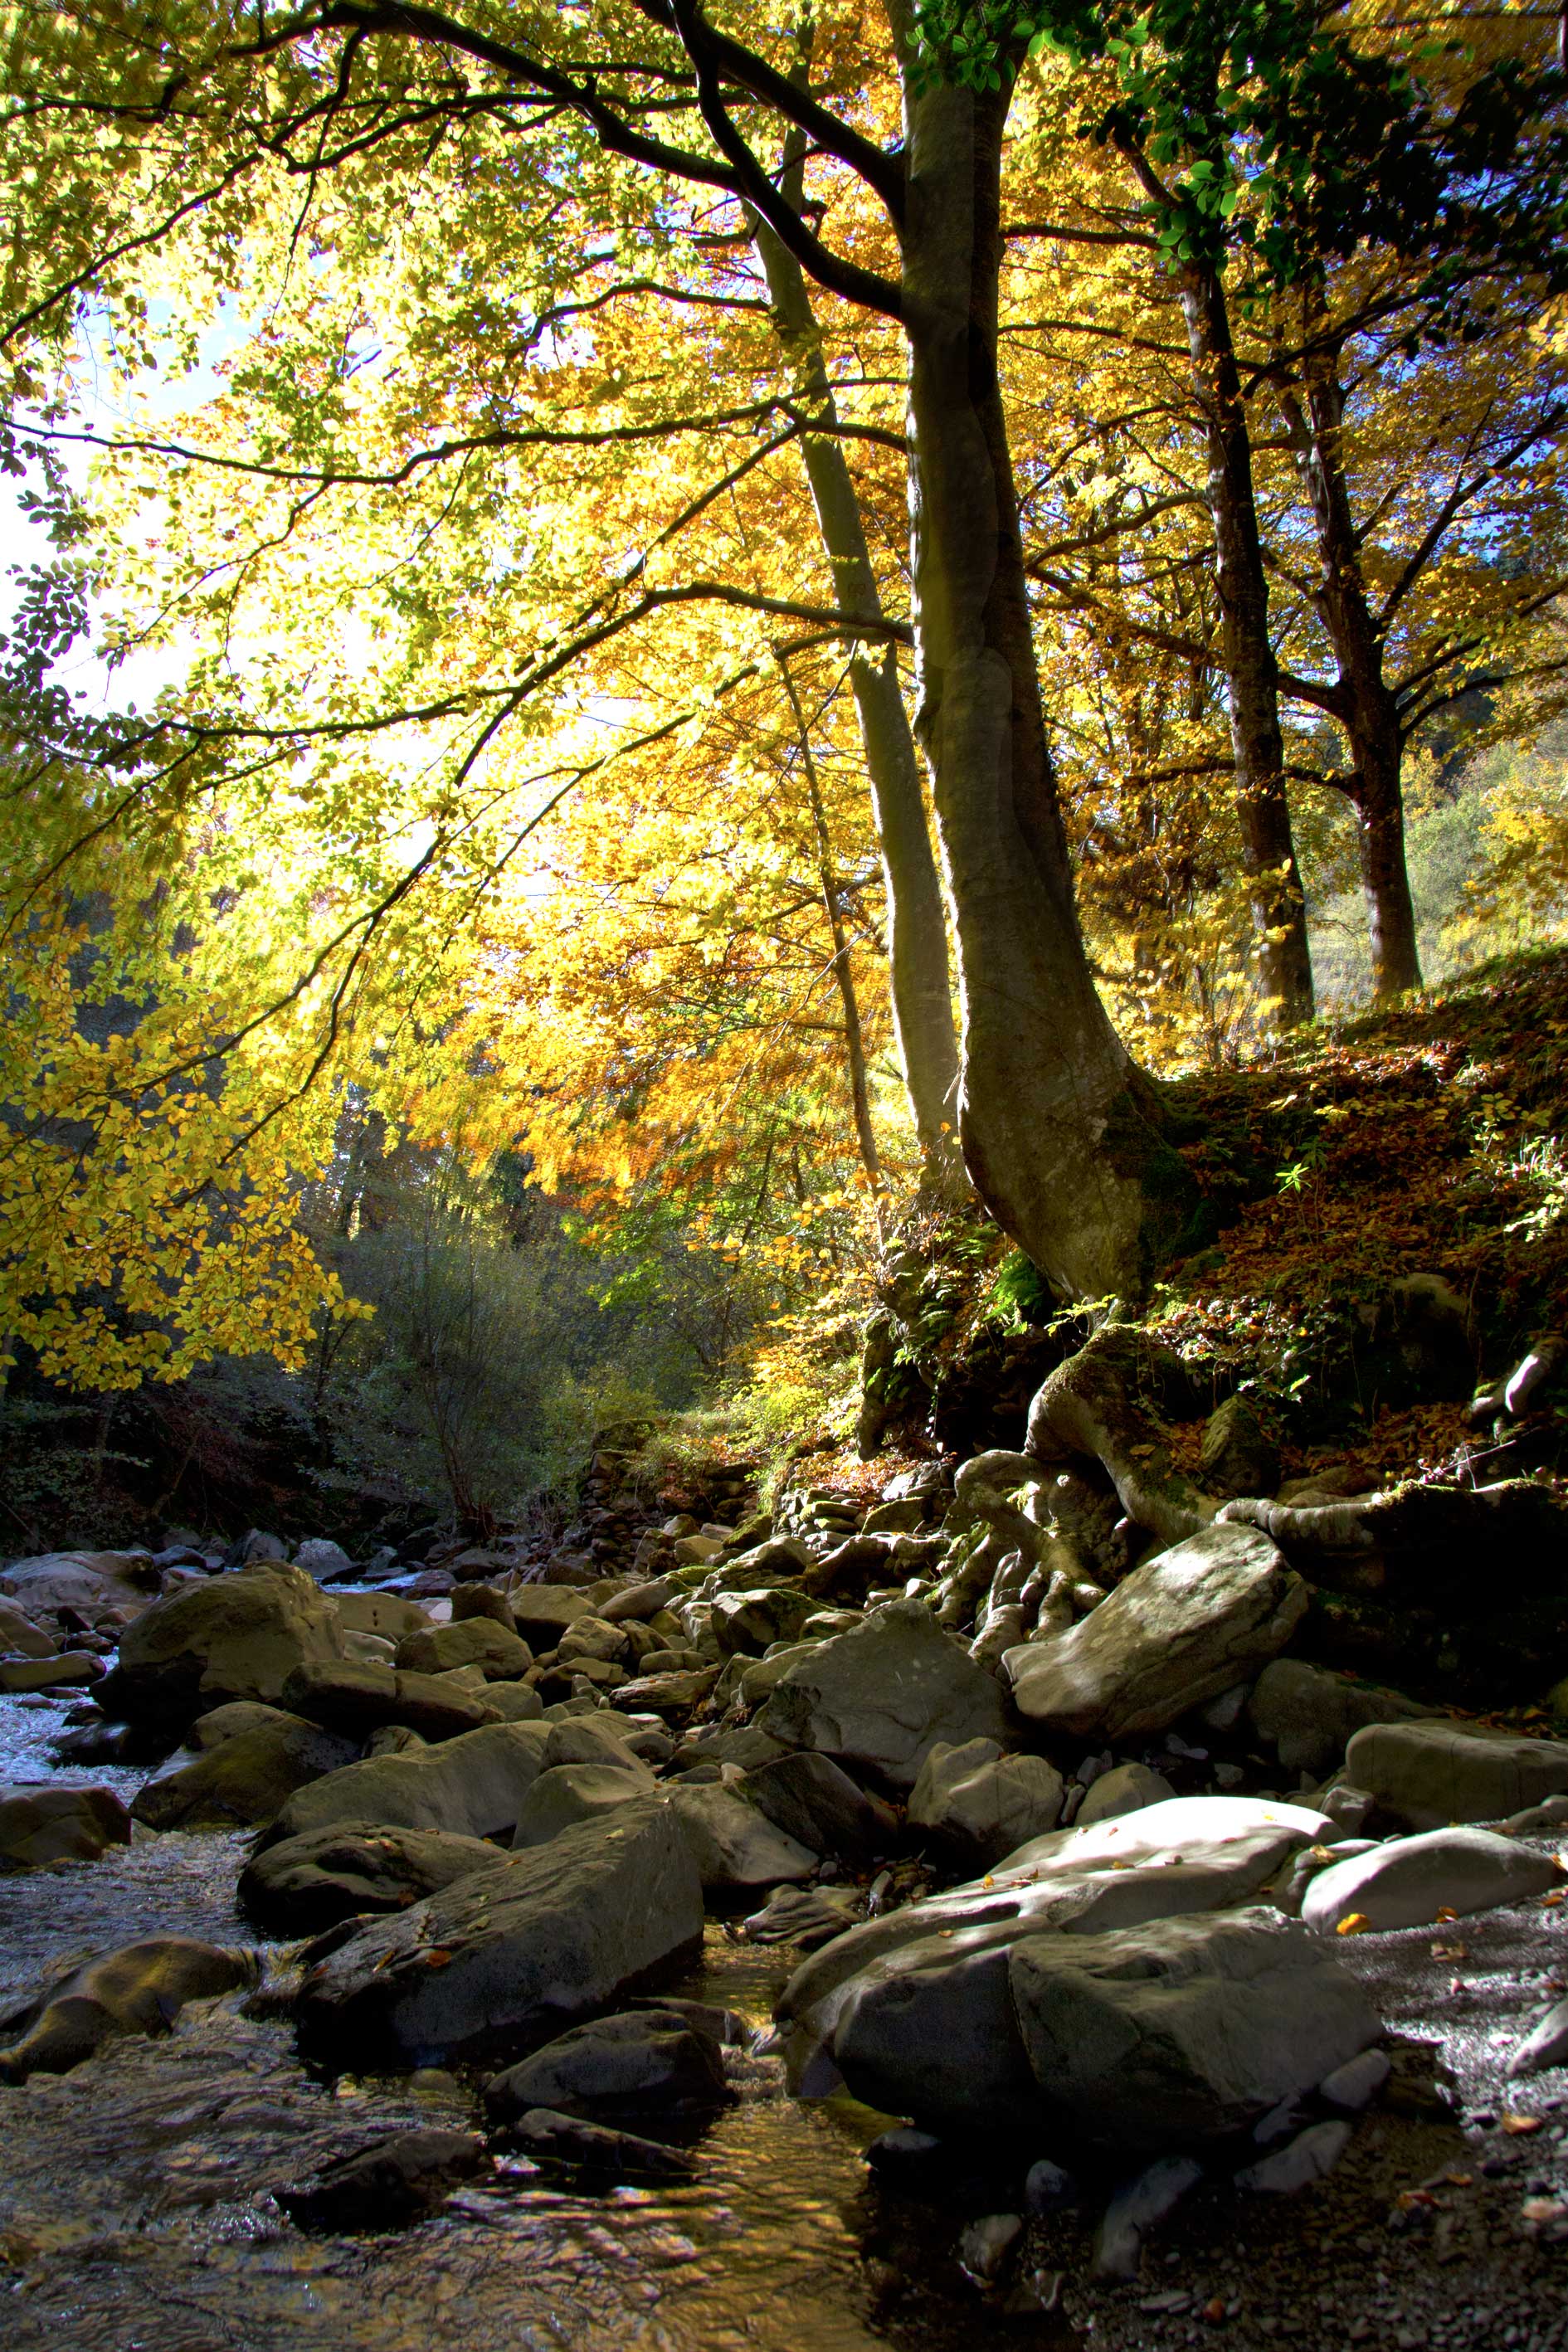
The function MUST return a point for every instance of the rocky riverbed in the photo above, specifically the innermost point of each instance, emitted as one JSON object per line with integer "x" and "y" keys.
{"x": 904, "y": 1926}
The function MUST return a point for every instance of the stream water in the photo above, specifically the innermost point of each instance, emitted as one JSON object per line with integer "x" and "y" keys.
{"x": 134, "y": 2214}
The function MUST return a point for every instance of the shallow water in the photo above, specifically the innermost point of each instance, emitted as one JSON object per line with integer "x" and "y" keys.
{"x": 134, "y": 2212}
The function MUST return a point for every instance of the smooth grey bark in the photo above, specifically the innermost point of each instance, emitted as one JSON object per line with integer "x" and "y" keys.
{"x": 1268, "y": 850}
{"x": 1059, "y": 1132}
{"x": 920, "y": 978}
{"x": 1362, "y": 700}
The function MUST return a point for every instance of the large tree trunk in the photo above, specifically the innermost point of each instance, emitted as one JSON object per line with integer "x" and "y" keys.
{"x": 1269, "y": 851}
{"x": 1059, "y": 1131}
{"x": 1367, "y": 708}
{"x": 918, "y": 973}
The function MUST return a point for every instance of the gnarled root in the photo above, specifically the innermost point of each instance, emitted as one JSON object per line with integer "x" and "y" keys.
{"x": 1430, "y": 1521}
{"x": 1109, "y": 1401}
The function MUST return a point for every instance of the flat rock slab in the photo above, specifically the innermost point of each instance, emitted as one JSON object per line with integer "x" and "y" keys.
{"x": 1426, "y": 1774}
{"x": 474, "y": 1786}
{"x": 311, "y": 1882}
{"x": 512, "y": 1957}
{"x": 881, "y": 1695}
{"x": 1406, "y": 1883}
{"x": 66, "y": 1670}
{"x": 1191, "y": 1622}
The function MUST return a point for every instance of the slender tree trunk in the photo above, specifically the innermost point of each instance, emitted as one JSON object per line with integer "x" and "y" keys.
{"x": 1269, "y": 851}
{"x": 843, "y": 977}
{"x": 1059, "y": 1131}
{"x": 920, "y": 978}
{"x": 1367, "y": 708}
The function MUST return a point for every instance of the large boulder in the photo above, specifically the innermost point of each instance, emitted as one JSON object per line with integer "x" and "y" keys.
{"x": 814, "y": 1801}
{"x": 1191, "y": 1854}
{"x": 509, "y": 1959}
{"x": 1185, "y": 2031}
{"x": 1412, "y": 1881}
{"x": 242, "y": 1781}
{"x": 357, "y": 1699}
{"x": 475, "y": 1642}
{"x": 1309, "y": 1716}
{"x": 1194, "y": 1621}
{"x": 753, "y": 1620}
{"x": 1426, "y": 1774}
{"x": 313, "y": 1880}
{"x": 881, "y": 1695}
{"x": 88, "y": 1580}
{"x": 473, "y": 1786}
{"x": 980, "y": 1804}
{"x": 237, "y": 1636}
{"x": 542, "y": 1612}
{"x": 734, "y": 1845}
{"x": 646, "y": 2060}
{"x": 1143, "y": 2039}
{"x": 42, "y": 1826}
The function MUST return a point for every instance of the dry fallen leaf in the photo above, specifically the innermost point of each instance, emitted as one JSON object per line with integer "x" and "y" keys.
{"x": 437, "y": 1958}
{"x": 1352, "y": 1924}
{"x": 1444, "y": 1916}
{"x": 1520, "y": 2125}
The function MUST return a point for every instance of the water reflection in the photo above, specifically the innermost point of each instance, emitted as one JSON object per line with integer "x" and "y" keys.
{"x": 134, "y": 2215}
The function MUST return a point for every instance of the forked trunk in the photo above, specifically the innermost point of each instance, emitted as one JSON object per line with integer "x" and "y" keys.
{"x": 1059, "y": 1131}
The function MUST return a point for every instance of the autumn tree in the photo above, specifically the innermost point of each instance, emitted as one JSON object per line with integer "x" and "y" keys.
{"x": 465, "y": 157}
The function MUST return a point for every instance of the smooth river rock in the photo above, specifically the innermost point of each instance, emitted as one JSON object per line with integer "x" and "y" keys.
{"x": 1194, "y": 1621}
{"x": 1426, "y": 1774}
{"x": 1407, "y": 1882}
{"x": 311, "y": 1882}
